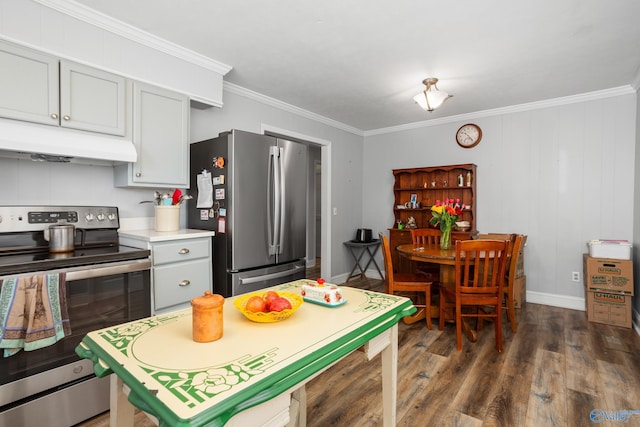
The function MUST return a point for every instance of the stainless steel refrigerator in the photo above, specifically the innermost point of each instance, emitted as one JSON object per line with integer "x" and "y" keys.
{"x": 251, "y": 190}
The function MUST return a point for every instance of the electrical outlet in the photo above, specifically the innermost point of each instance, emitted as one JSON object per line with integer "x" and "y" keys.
{"x": 575, "y": 276}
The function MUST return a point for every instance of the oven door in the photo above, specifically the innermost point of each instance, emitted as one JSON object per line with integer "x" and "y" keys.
{"x": 98, "y": 296}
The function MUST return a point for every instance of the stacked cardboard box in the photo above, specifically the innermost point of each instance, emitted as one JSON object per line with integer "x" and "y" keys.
{"x": 609, "y": 289}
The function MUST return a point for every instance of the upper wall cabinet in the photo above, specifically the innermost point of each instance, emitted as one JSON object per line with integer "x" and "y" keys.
{"x": 161, "y": 138}
{"x": 29, "y": 88}
{"x": 39, "y": 88}
{"x": 91, "y": 99}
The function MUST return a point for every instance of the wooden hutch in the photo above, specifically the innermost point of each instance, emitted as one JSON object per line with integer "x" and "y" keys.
{"x": 427, "y": 185}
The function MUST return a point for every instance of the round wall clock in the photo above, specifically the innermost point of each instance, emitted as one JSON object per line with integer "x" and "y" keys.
{"x": 468, "y": 135}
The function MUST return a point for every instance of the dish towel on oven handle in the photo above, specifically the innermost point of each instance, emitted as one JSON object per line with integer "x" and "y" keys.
{"x": 33, "y": 312}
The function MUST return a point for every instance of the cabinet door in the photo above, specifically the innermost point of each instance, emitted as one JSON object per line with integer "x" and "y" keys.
{"x": 28, "y": 85}
{"x": 92, "y": 99}
{"x": 161, "y": 136}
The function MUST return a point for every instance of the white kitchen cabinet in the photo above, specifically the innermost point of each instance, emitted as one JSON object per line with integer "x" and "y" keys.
{"x": 29, "y": 88}
{"x": 92, "y": 100}
{"x": 37, "y": 87}
{"x": 181, "y": 265}
{"x": 161, "y": 138}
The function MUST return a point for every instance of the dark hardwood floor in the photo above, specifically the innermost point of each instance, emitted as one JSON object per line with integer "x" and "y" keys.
{"x": 556, "y": 371}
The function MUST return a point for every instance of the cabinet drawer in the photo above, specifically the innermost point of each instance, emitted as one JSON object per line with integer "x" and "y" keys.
{"x": 181, "y": 250}
{"x": 167, "y": 279}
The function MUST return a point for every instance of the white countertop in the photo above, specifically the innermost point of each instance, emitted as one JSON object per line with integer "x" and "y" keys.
{"x": 151, "y": 235}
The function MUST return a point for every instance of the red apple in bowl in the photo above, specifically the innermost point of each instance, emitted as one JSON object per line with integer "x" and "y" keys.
{"x": 256, "y": 304}
{"x": 269, "y": 296}
{"x": 279, "y": 304}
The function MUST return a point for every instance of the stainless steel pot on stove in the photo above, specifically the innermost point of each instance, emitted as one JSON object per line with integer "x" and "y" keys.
{"x": 60, "y": 237}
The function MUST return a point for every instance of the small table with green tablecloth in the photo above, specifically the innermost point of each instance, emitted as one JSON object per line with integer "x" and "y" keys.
{"x": 252, "y": 371}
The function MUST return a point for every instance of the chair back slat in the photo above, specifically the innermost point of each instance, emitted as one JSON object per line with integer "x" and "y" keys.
{"x": 425, "y": 236}
{"x": 480, "y": 266}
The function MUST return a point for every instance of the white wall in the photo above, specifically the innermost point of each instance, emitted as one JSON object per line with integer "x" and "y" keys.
{"x": 561, "y": 175}
{"x": 25, "y": 182}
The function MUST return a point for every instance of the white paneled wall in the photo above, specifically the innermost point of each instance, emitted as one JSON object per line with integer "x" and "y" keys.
{"x": 562, "y": 175}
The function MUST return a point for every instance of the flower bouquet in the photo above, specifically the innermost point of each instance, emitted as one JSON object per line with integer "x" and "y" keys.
{"x": 445, "y": 214}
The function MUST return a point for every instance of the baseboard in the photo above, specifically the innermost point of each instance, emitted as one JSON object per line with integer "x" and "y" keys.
{"x": 342, "y": 278}
{"x": 553, "y": 300}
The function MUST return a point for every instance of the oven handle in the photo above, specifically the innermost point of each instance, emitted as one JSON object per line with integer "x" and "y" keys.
{"x": 82, "y": 273}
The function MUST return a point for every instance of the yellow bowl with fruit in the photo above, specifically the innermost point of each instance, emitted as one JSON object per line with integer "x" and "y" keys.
{"x": 251, "y": 312}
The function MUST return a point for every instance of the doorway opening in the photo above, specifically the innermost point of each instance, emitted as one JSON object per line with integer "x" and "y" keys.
{"x": 318, "y": 200}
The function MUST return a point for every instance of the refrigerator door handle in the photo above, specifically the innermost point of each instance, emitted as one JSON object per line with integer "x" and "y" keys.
{"x": 272, "y": 192}
{"x": 283, "y": 198}
{"x": 249, "y": 280}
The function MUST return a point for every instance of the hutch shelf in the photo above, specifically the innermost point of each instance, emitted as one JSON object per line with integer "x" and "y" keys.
{"x": 415, "y": 190}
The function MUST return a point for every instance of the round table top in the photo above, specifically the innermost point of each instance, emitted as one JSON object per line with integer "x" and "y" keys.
{"x": 428, "y": 253}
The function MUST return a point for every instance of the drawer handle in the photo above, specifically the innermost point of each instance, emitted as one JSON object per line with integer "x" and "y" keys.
{"x": 183, "y": 251}
{"x": 184, "y": 282}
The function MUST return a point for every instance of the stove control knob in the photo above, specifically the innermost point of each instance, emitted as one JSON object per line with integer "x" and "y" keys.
{"x": 111, "y": 216}
{"x": 101, "y": 216}
{"x": 90, "y": 217}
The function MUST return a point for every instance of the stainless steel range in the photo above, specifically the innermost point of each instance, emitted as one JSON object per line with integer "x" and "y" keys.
{"x": 106, "y": 284}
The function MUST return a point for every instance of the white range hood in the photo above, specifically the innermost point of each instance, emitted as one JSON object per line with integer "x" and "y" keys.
{"x": 50, "y": 143}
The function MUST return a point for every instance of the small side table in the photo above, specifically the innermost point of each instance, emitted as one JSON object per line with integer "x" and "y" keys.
{"x": 358, "y": 249}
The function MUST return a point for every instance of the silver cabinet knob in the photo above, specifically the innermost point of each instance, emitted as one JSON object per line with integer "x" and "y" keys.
{"x": 138, "y": 174}
{"x": 183, "y": 251}
{"x": 184, "y": 282}
{"x": 54, "y": 116}
{"x": 66, "y": 117}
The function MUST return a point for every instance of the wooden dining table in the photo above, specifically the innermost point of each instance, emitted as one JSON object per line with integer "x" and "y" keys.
{"x": 446, "y": 259}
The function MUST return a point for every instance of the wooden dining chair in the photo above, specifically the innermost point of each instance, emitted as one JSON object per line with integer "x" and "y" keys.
{"x": 405, "y": 282}
{"x": 480, "y": 267}
{"x": 423, "y": 237}
{"x": 517, "y": 251}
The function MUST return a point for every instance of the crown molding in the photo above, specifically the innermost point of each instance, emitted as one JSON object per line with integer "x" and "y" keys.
{"x": 239, "y": 90}
{"x": 90, "y": 16}
{"x": 547, "y": 103}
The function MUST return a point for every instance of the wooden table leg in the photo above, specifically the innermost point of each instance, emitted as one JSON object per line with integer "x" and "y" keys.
{"x": 390, "y": 379}
{"x": 121, "y": 410}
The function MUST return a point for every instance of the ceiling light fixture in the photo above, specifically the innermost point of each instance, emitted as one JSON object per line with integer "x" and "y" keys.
{"x": 431, "y": 98}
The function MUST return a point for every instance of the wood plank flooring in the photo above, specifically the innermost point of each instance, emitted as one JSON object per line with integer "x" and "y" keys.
{"x": 555, "y": 371}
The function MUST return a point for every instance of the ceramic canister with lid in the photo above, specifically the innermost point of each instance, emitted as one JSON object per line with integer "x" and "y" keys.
{"x": 207, "y": 317}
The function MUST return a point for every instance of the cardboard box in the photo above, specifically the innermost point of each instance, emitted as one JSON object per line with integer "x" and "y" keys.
{"x": 608, "y": 275}
{"x": 609, "y": 308}
{"x": 519, "y": 291}
{"x": 617, "y": 249}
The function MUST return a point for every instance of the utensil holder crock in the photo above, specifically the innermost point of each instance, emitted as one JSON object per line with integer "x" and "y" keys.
{"x": 167, "y": 218}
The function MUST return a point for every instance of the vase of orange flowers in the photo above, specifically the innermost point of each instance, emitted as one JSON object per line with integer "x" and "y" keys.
{"x": 445, "y": 214}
